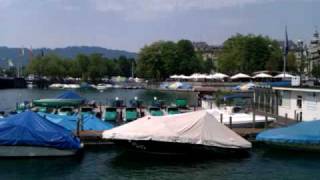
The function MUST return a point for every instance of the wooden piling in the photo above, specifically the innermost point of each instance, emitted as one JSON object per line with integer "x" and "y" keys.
{"x": 300, "y": 116}
{"x": 230, "y": 122}
{"x": 266, "y": 121}
{"x": 221, "y": 118}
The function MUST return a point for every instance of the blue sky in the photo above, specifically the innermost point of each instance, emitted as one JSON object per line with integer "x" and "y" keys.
{"x": 130, "y": 24}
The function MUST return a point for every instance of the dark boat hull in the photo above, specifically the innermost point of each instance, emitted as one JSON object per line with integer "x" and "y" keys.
{"x": 292, "y": 146}
{"x": 168, "y": 148}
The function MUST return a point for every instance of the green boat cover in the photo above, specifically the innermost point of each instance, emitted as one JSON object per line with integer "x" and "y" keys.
{"x": 181, "y": 103}
{"x": 131, "y": 114}
{"x": 68, "y": 98}
{"x": 111, "y": 114}
{"x": 154, "y": 111}
{"x": 173, "y": 111}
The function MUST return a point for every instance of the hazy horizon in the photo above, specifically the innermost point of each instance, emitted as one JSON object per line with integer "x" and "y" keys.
{"x": 129, "y": 25}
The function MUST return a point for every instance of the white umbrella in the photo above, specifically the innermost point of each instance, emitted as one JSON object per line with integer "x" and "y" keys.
{"x": 219, "y": 76}
{"x": 286, "y": 75}
{"x": 262, "y": 75}
{"x": 174, "y": 76}
{"x": 240, "y": 76}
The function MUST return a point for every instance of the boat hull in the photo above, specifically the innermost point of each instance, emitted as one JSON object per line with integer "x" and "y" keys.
{"x": 293, "y": 146}
{"x": 57, "y": 102}
{"x": 168, "y": 148}
{"x": 34, "y": 151}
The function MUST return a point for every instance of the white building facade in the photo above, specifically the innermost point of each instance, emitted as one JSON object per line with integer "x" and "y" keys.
{"x": 298, "y": 103}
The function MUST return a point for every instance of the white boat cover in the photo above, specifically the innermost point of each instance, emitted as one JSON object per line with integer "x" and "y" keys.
{"x": 198, "y": 127}
{"x": 237, "y": 118}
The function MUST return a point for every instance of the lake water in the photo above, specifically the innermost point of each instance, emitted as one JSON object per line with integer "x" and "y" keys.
{"x": 112, "y": 163}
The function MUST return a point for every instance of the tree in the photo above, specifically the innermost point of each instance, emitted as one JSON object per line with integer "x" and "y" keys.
{"x": 82, "y": 64}
{"x": 249, "y": 53}
{"x": 316, "y": 71}
{"x": 163, "y": 58}
{"x": 291, "y": 63}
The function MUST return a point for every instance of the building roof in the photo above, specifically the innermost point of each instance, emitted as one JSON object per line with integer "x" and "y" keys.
{"x": 299, "y": 89}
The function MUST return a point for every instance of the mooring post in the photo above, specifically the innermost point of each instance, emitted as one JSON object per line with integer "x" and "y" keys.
{"x": 221, "y": 118}
{"x": 286, "y": 116}
{"x": 78, "y": 127}
{"x": 230, "y": 122}
{"x": 300, "y": 116}
{"x": 296, "y": 116}
{"x": 266, "y": 121}
{"x": 254, "y": 109}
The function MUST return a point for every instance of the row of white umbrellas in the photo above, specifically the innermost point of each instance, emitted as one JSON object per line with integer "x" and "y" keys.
{"x": 236, "y": 76}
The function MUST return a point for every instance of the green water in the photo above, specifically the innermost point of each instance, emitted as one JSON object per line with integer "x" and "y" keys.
{"x": 112, "y": 163}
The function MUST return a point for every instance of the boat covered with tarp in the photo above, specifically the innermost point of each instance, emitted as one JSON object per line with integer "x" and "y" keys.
{"x": 186, "y": 133}
{"x": 68, "y": 98}
{"x": 130, "y": 114}
{"x": 28, "y": 134}
{"x": 301, "y": 136}
{"x": 89, "y": 122}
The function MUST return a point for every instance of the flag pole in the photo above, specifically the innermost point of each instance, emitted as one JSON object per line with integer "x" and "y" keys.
{"x": 286, "y": 50}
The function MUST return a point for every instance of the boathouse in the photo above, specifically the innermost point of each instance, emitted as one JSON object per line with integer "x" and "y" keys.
{"x": 298, "y": 103}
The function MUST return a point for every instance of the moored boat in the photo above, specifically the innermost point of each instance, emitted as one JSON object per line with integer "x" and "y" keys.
{"x": 68, "y": 98}
{"x": 155, "y": 111}
{"x": 110, "y": 114}
{"x": 304, "y": 136}
{"x": 102, "y": 87}
{"x": 88, "y": 122}
{"x": 186, "y": 133}
{"x": 172, "y": 110}
{"x": 28, "y": 135}
{"x": 66, "y": 110}
{"x": 239, "y": 119}
{"x": 130, "y": 114}
{"x": 181, "y": 103}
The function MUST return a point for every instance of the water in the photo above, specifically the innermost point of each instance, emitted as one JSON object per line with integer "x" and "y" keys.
{"x": 112, "y": 163}
{"x": 8, "y": 98}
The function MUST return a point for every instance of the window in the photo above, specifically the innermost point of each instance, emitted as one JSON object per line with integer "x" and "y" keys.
{"x": 284, "y": 98}
{"x": 299, "y": 101}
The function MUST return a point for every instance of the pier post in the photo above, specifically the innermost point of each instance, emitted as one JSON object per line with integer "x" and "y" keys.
{"x": 286, "y": 116}
{"x": 230, "y": 122}
{"x": 300, "y": 116}
{"x": 296, "y": 116}
{"x": 266, "y": 121}
{"x": 221, "y": 118}
{"x": 253, "y": 114}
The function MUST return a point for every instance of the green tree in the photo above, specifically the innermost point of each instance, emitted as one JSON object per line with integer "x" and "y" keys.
{"x": 291, "y": 63}
{"x": 163, "y": 58}
{"x": 82, "y": 64}
{"x": 316, "y": 71}
{"x": 249, "y": 53}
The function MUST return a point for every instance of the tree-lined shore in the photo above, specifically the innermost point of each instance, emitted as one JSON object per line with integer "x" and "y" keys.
{"x": 159, "y": 60}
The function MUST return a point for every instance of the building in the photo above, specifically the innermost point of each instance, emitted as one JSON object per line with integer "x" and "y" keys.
{"x": 314, "y": 50}
{"x": 298, "y": 103}
{"x": 207, "y": 51}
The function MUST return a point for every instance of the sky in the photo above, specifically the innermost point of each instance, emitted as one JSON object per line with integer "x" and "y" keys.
{"x": 131, "y": 24}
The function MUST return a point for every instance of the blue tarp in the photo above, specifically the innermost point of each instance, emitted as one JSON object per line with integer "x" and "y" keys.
{"x": 30, "y": 129}
{"x": 302, "y": 133}
{"x": 90, "y": 122}
{"x": 70, "y": 95}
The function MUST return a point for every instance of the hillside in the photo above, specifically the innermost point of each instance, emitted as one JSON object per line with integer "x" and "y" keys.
{"x": 15, "y": 55}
